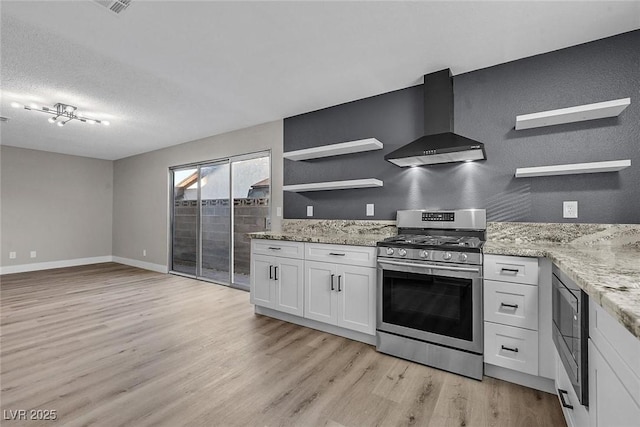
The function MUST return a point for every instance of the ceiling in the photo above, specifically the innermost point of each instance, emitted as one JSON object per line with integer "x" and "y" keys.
{"x": 164, "y": 73}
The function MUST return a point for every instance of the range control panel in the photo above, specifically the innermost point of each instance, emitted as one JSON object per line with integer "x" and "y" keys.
{"x": 438, "y": 216}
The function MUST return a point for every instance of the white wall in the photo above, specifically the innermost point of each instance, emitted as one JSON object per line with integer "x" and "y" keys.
{"x": 58, "y": 205}
{"x": 141, "y": 189}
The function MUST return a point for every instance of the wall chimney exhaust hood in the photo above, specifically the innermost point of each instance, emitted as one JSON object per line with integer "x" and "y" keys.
{"x": 440, "y": 144}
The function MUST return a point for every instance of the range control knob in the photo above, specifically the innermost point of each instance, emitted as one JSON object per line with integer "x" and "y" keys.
{"x": 402, "y": 252}
{"x": 389, "y": 251}
{"x": 446, "y": 256}
{"x": 462, "y": 257}
{"x": 424, "y": 254}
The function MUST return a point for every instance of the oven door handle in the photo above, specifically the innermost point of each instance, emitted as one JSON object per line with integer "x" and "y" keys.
{"x": 431, "y": 266}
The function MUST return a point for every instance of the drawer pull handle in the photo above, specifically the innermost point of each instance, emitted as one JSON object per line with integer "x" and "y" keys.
{"x": 510, "y": 270}
{"x": 336, "y": 254}
{"x": 515, "y": 350}
{"x": 273, "y": 248}
{"x": 561, "y": 394}
{"x": 332, "y": 287}
{"x": 514, "y": 306}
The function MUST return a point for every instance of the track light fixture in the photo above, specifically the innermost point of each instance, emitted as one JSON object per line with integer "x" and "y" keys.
{"x": 63, "y": 113}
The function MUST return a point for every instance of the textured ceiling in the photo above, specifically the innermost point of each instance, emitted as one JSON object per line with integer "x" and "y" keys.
{"x": 164, "y": 73}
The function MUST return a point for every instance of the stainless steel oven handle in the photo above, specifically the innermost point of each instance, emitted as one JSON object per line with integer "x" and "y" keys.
{"x": 434, "y": 267}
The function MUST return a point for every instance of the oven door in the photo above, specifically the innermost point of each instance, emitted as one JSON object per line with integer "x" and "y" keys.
{"x": 440, "y": 304}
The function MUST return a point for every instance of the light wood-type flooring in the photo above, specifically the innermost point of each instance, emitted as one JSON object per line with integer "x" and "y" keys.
{"x": 111, "y": 345}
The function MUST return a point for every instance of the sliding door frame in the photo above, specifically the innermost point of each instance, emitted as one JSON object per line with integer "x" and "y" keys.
{"x": 198, "y": 165}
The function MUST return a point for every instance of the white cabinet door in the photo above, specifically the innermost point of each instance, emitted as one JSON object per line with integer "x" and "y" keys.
{"x": 356, "y": 288}
{"x": 610, "y": 403}
{"x": 262, "y": 292}
{"x": 288, "y": 278}
{"x": 320, "y": 295}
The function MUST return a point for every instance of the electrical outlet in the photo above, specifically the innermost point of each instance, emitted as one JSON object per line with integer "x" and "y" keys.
{"x": 144, "y": 252}
{"x": 12, "y": 255}
{"x": 370, "y": 209}
{"x": 309, "y": 210}
{"x": 570, "y": 209}
{"x": 33, "y": 254}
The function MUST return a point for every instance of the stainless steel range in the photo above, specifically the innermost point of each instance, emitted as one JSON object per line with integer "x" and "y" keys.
{"x": 430, "y": 290}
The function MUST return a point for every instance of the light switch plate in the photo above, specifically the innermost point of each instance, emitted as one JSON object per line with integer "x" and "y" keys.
{"x": 370, "y": 209}
{"x": 33, "y": 254}
{"x": 278, "y": 211}
{"x": 12, "y": 255}
{"x": 570, "y": 209}
{"x": 309, "y": 210}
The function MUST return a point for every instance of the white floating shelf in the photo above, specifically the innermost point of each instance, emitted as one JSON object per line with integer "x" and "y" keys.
{"x": 576, "y": 168}
{"x": 334, "y": 185}
{"x": 358, "y": 146}
{"x": 599, "y": 110}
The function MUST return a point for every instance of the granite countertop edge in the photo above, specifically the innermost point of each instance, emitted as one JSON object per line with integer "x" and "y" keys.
{"x": 352, "y": 239}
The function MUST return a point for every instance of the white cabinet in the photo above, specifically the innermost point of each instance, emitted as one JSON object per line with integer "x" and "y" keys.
{"x": 341, "y": 295}
{"x": 575, "y": 414}
{"x": 277, "y": 281}
{"x": 511, "y": 313}
{"x": 611, "y": 403}
{"x": 332, "y": 284}
{"x": 614, "y": 371}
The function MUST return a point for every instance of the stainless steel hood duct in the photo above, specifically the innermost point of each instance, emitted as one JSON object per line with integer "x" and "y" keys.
{"x": 440, "y": 144}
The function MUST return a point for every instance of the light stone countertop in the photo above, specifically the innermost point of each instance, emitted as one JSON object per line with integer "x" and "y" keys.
{"x": 603, "y": 259}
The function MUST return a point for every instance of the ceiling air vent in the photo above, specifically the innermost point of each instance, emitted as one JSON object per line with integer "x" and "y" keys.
{"x": 115, "y": 6}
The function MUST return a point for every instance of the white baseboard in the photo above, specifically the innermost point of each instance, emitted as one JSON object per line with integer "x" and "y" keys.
{"x": 36, "y": 266}
{"x": 141, "y": 264}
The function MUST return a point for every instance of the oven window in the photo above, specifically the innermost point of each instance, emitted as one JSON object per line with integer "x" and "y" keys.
{"x": 436, "y": 304}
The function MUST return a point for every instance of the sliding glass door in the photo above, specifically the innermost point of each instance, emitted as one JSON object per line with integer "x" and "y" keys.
{"x": 215, "y": 222}
{"x": 214, "y": 206}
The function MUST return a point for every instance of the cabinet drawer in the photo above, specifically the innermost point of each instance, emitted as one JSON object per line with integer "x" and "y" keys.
{"x": 511, "y": 269}
{"x": 341, "y": 254}
{"x": 511, "y": 304}
{"x": 575, "y": 414}
{"x": 278, "y": 248}
{"x": 510, "y": 347}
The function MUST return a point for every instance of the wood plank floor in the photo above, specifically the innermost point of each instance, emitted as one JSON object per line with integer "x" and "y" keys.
{"x": 110, "y": 345}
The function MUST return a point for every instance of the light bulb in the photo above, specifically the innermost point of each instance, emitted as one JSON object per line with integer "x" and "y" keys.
{"x": 91, "y": 122}
{"x": 61, "y": 123}
{"x": 34, "y": 106}
{"x": 69, "y": 109}
{"x": 52, "y": 119}
{"x": 16, "y": 105}
{"x": 106, "y": 123}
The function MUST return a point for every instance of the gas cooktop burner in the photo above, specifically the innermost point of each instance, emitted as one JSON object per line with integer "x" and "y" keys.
{"x": 429, "y": 240}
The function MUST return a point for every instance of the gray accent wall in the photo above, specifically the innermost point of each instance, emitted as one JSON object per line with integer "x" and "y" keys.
{"x": 57, "y": 205}
{"x": 486, "y": 104}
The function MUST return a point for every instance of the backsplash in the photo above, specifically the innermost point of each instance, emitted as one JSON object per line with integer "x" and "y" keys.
{"x": 486, "y": 104}
{"x": 627, "y": 235}
{"x": 309, "y": 226}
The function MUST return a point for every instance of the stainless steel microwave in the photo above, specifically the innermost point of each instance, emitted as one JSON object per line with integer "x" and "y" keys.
{"x": 571, "y": 330}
